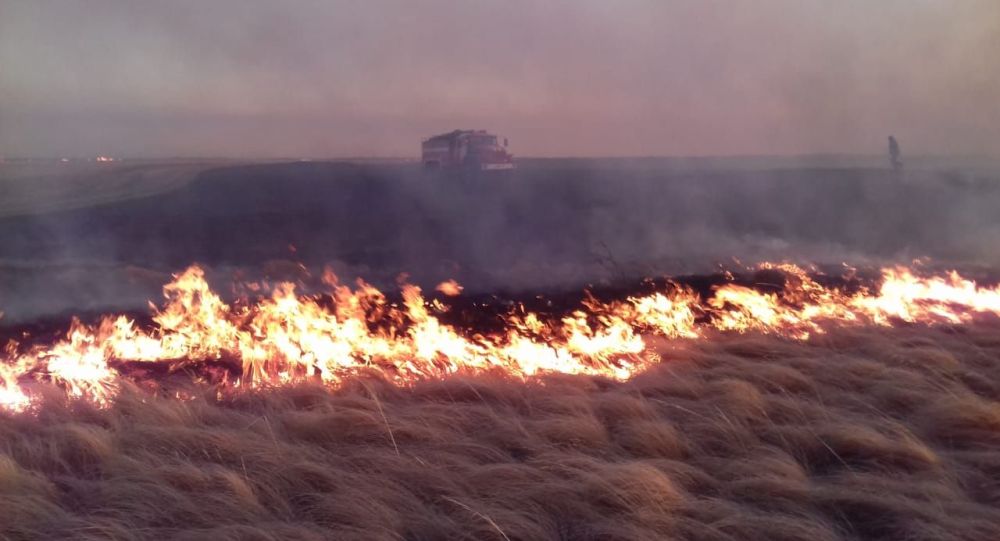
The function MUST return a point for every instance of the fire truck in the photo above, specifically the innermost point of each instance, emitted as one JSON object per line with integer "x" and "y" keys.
{"x": 466, "y": 149}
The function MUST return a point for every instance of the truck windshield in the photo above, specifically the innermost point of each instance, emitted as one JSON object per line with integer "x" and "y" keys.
{"x": 484, "y": 140}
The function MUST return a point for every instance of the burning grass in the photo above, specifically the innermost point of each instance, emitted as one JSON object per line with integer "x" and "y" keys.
{"x": 283, "y": 337}
{"x": 859, "y": 433}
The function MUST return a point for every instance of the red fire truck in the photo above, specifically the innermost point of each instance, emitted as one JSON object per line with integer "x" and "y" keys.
{"x": 466, "y": 149}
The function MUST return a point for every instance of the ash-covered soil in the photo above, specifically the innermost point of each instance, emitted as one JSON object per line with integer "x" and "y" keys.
{"x": 550, "y": 225}
{"x": 859, "y": 434}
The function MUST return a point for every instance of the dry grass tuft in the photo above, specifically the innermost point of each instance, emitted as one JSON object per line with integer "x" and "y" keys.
{"x": 855, "y": 435}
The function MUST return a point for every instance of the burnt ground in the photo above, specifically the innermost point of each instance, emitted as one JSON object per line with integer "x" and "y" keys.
{"x": 551, "y": 225}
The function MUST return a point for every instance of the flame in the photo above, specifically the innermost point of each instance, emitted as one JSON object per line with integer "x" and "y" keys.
{"x": 449, "y": 288}
{"x": 288, "y": 337}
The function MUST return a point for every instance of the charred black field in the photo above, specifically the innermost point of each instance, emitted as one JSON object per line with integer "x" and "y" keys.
{"x": 549, "y": 226}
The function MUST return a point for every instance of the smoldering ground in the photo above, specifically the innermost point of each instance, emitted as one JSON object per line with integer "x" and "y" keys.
{"x": 551, "y": 224}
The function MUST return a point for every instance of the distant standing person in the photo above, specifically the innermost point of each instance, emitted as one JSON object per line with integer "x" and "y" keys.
{"x": 894, "y": 155}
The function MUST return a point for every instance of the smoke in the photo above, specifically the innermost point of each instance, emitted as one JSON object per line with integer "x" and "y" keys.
{"x": 254, "y": 79}
{"x": 551, "y": 225}
{"x": 251, "y": 78}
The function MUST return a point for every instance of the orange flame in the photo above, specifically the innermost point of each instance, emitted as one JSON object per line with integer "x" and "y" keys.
{"x": 289, "y": 337}
{"x": 449, "y": 288}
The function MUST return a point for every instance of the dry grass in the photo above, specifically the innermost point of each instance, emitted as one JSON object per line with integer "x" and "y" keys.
{"x": 857, "y": 435}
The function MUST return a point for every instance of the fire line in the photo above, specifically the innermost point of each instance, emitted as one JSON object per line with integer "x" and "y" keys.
{"x": 287, "y": 337}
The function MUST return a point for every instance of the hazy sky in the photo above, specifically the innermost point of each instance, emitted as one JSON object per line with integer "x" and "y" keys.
{"x": 559, "y": 77}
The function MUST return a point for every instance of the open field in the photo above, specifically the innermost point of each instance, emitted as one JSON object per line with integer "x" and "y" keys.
{"x": 499, "y": 271}
{"x": 28, "y": 188}
{"x": 860, "y": 434}
{"x": 552, "y": 224}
